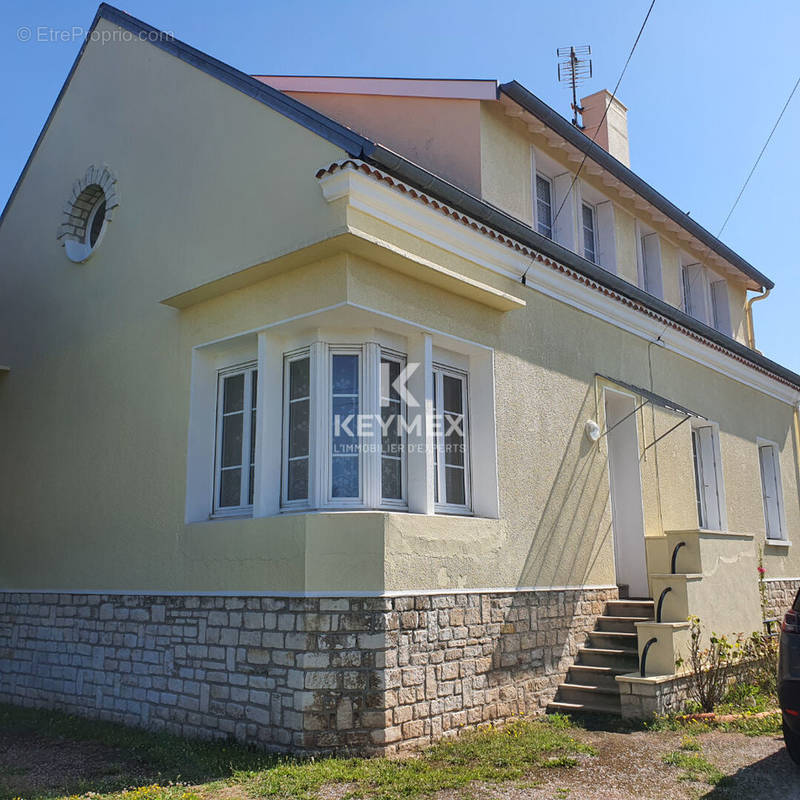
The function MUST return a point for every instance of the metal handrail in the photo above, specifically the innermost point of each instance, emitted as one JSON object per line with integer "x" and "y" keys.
{"x": 643, "y": 660}
{"x": 675, "y": 556}
{"x": 661, "y": 602}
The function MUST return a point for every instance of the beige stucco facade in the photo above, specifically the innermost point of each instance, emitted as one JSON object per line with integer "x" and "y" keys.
{"x": 97, "y": 402}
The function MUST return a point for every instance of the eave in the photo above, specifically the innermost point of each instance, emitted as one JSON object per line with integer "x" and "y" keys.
{"x": 562, "y": 135}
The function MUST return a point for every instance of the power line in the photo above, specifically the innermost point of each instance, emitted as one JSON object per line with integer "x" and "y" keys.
{"x": 750, "y": 174}
{"x": 608, "y": 105}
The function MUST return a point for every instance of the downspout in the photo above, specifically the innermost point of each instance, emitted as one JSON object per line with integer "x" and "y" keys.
{"x": 748, "y": 316}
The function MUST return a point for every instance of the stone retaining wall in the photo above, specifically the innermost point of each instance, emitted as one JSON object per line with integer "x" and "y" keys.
{"x": 780, "y": 595}
{"x": 365, "y": 674}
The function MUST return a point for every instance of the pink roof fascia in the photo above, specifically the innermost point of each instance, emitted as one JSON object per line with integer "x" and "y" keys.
{"x": 398, "y": 87}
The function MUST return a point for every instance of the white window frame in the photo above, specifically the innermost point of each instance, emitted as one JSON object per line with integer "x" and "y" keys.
{"x": 720, "y": 306}
{"x": 593, "y": 211}
{"x": 549, "y": 181}
{"x": 244, "y": 508}
{"x": 393, "y": 502}
{"x": 329, "y": 500}
{"x": 439, "y": 371}
{"x": 712, "y": 514}
{"x": 320, "y": 490}
{"x": 782, "y": 537}
{"x": 288, "y": 358}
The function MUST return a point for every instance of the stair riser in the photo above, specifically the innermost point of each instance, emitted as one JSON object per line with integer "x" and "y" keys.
{"x": 600, "y": 639}
{"x": 627, "y": 662}
{"x": 629, "y": 608}
{"x": 586, "y": 697}
{"x": 616, "y": 625}
{"x": 592, "y": 679}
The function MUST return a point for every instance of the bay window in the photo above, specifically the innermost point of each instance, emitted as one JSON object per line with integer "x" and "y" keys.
{"x": 333, "y": 417}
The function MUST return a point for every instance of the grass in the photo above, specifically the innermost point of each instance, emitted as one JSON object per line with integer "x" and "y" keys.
{"x": 695, "y": 767}
{"x": 165, "y": 767}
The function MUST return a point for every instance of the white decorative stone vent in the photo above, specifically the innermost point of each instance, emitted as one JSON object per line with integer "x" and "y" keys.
{"x": 88, "y": 212}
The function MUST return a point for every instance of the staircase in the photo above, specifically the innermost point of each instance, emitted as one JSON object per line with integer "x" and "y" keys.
{"x": 611, "y": 649}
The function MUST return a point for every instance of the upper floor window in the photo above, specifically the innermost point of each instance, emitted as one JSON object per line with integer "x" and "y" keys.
{"x": 720, "y": 307}
{"x": 544, "y": 206}
{"x": 589, "y": 230}
{"x": 236, "y": 440}
{"x": 650, "y": 263}
{"x": 771, "y": 490}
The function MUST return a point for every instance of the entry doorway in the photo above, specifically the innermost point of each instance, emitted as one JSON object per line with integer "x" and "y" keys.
{"x": 627, "y": 514}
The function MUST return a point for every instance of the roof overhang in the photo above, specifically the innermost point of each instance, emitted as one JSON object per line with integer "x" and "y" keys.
{"x": 541, "y": 118}
{"x": 440, "y": 88}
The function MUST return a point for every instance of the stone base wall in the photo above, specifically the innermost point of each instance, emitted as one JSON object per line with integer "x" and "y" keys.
{"x": 360, "y": 674}
{"x": 780, "y": 595}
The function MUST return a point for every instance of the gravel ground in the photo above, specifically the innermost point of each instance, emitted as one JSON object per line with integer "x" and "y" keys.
{"x": 628, "y": 766}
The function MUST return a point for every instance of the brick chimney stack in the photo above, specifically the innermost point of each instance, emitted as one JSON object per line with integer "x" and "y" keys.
{"x": 613, "y": 133}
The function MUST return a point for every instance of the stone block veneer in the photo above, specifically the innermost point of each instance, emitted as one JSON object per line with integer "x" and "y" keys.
{"x": 303, "y": 674}
{"x": 780, "y": 595}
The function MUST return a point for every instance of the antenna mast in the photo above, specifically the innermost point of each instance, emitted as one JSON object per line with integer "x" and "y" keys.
{"x": 574, "y": 68}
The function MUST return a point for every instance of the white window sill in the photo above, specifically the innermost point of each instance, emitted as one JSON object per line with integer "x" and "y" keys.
{"x": 777, "y": 543}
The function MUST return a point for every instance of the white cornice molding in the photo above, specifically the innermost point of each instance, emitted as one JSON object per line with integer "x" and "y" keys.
{"x": 411, "y": 211}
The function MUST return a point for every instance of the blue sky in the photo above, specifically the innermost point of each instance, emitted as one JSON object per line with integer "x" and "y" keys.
{"x": 703, "y": 89}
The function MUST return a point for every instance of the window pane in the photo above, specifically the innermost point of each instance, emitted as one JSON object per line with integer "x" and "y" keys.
{"x": 250, "y": 491}
{"x": 391, "y": 478}
{"x": 344, "y": 478}
{"x": 231, "y": 440}
{"x": 298, "y": 378}
{"x": 252, "y": 437}
{"x": 97, "y": 223}
{"x": 298, "y": 428}
{"x": 345, "y": 374}
{"x": 454, "y": 485}
{"x": 588, "y": 232}
{"x": 454, "y": 440}
{"x": 344, "y": 425}
{"x": 254, "y": 393}
{"x": 390, "y": 371}
{"x": 233, "y": 394}
{"x": 391, "y": 430}
{"x": 544, "y": 214}
{"x": 298, "y": 480}
{"x": 230, "y": 487}
{"x": 451, "y": 389}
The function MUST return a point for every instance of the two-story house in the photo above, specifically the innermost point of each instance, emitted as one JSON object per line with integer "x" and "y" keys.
{"x": 354, "y": 412}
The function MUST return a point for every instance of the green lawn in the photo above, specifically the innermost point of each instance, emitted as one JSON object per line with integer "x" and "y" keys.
{"x": 129, "y": 764}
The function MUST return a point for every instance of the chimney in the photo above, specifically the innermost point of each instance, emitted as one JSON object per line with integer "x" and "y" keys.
{"x": 613, "y": 133}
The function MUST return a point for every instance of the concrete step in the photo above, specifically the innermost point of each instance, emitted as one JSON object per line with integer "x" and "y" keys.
{"x": 578, "y": 693}
{"x": 599, "y": 704}
{"x": 619, "y": 624}
{"x": 614, "y": 657}
{"x": 590, "y": 675}
{"x": 613, "y": 640}
{"x": 630, "y": 608}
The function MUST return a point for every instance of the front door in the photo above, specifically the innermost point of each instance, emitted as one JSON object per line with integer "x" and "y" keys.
{"x": 627, "y": 515}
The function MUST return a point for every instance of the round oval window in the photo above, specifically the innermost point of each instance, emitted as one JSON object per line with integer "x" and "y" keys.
{"x": 88, "y": 223}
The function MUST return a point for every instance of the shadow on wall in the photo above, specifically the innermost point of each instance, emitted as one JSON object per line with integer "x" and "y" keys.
{"x": 575, "y": 523}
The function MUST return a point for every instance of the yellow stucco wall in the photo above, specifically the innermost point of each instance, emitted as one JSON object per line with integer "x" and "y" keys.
{"x": 95, "y": 411}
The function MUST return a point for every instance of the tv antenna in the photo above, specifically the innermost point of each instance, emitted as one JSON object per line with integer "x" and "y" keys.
{"x": 574, "y": 67}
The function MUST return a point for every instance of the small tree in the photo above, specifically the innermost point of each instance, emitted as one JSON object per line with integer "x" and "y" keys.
{"x": 710, "y": 665}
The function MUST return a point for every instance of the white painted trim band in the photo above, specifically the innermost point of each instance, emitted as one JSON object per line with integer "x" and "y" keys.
{"x": 331, "y": 594}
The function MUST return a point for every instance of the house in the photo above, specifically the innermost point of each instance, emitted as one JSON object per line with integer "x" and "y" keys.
{"x": 342, "y": 413}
